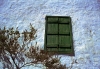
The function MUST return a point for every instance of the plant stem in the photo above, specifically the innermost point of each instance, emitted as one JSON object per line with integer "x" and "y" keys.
{"x": 14, "y": 62}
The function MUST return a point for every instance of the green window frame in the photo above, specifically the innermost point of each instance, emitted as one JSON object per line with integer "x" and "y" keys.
{"x": 58, "y": 35}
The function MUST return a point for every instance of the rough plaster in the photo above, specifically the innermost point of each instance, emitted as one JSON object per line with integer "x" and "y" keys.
{"x": 85, "y": 16}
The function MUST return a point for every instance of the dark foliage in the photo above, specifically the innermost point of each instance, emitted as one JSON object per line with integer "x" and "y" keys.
{"x": 15, "y": 54}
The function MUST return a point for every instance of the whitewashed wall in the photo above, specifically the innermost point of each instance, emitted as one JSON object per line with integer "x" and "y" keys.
{"x": 85, "y": 16}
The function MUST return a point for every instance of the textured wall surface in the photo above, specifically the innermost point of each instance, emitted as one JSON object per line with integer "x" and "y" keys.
{"x": 85, "y": 16}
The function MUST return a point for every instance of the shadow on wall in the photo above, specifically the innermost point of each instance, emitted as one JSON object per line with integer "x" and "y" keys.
{"x": 98, "y": 2}
{"x": 1, "y": 2}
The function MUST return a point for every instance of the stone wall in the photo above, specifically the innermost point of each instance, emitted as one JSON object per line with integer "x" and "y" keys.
{"x": 85, "y": 16}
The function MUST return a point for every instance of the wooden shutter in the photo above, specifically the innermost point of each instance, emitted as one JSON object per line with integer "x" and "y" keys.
{"x": 58, "y": 35}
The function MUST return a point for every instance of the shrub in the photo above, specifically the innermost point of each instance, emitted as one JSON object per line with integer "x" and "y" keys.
{"x": 15, "y": 54}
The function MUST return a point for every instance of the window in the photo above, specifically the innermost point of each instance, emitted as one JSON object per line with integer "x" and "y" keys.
{"x": 58, "y": 35}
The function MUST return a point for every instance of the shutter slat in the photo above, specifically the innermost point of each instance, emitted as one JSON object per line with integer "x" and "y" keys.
{"x": 64, "y": 41}
{"x": 52, "y": 40}
{"x": 52, "y": 28}
{"x": 64, "y": 29}
{"x": 64, "y": 20}
{"x": 52, "y": 19}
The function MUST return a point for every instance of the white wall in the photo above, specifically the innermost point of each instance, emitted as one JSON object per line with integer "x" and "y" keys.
{"x": 85, "y": 16}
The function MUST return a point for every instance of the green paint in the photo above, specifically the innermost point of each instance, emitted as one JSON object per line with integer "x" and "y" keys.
{"x": 58, "y": 35}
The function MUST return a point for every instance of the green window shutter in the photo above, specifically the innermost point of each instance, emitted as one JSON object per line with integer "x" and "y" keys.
{"x": 64, "y": 29}
{"x": 51, "y": 29}
{"x": 52, "y": 41}
{"x": 58, "y": 35}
